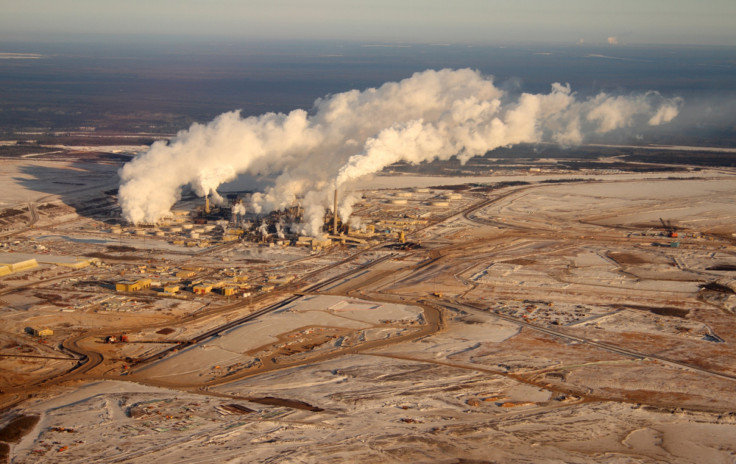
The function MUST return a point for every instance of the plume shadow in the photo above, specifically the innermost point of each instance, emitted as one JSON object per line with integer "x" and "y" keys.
{"x": 88, "y": 186}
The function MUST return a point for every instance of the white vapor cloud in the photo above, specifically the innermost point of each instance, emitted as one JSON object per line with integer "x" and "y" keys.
{"x": 666, "y": 112}
{"x": 430, "y": 115}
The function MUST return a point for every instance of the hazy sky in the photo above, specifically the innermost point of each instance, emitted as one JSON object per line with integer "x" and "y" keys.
{"x": 429, "y": 21}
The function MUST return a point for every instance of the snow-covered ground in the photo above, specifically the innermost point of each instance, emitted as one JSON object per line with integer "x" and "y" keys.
{"x": 301, "y": 319}
{"x": 565, "y": 336}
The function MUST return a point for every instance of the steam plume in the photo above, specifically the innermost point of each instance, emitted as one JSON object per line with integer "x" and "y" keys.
{"x": 431, "y": 115}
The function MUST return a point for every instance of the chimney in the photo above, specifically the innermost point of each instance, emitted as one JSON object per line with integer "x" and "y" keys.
{"x": 334, "y": 216}
{"x": 207, "y": 203}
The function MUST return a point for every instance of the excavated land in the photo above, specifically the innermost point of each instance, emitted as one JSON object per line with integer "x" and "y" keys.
{"x": 531, "y": 320}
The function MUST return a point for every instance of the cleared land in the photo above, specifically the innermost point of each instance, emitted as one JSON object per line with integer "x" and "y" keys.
{"x": 537, "y": 322}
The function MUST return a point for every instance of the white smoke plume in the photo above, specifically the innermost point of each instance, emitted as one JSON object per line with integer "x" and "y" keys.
{"x": 345, "y": 208}
{"x": 238, "y": 209}
{"x": 431, "y": 115}
{"x": 263, "y": 229}
{"x": 237, "y": 213}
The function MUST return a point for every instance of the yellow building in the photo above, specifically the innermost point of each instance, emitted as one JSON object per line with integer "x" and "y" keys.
{"x": 132, "y": 286}
{"x": 14, "y": 264}
{"x": 202, "y": 289}
{"x": 82, "y": 263}
{"x": 280, "y": 280}
{"x": 171, "y": 288}
{"x": 43, "y": 332}
{"x": 229, "y": 290}
{"x": 185, "y": 274}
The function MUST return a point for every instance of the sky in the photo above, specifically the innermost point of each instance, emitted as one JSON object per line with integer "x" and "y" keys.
{"x": 708, "y": 22}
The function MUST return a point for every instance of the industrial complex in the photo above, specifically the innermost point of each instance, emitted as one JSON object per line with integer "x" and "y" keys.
{"x": 521, "y": 306}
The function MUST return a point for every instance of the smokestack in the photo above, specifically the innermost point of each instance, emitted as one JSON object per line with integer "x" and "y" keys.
{"x": 207, "y": 203}
{"x": 334, "y": 216}
{"x": 430, "y": 115}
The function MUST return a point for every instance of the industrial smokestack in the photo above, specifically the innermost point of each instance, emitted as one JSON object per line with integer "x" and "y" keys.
{"x": 430, "y": 115}
{"x": 207, "y": 203}
{"x": 334, "y": 216}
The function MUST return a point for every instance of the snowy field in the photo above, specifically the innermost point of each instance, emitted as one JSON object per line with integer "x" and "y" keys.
{"x": 242, "y": 344}
{"x": 570, "y": 330}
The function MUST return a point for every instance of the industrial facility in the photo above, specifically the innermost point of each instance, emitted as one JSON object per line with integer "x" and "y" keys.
{"x": 207, "y": 225}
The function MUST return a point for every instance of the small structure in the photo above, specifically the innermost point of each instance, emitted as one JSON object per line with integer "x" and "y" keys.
{"x": 202, "y": 289}
{"x": 313, "y": 243}
{"x": 44, "y": 332}
{"x": 132, "y": 286}
{"x": 230, "y": 290}
{"x": 123, "y": 338}
{"x": 280, "y": 280}
{"x": 171, "y": 288}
